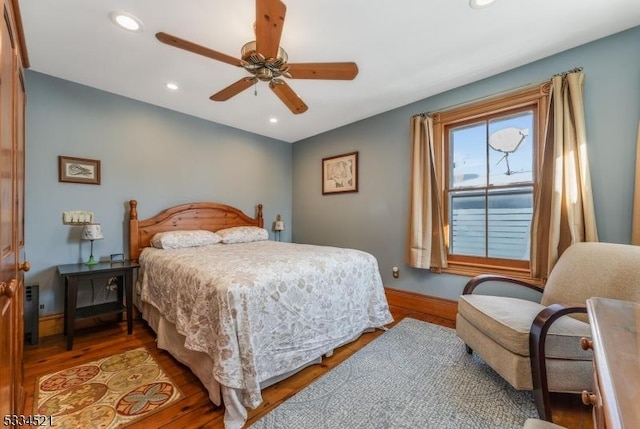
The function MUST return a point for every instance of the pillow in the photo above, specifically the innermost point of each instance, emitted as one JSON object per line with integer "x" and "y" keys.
{"x": 182, "y": 239}
{"x": 243, "y": 234}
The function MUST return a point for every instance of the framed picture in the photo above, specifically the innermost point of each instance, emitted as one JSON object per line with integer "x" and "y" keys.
{"x": 78, "y": 170}
{"x": 340, "y": 173}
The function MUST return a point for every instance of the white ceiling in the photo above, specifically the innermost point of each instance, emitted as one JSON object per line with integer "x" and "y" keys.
{"x": 406, "y": 50}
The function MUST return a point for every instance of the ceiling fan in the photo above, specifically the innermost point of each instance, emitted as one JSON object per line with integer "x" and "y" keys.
{"x": 265, "y": 60}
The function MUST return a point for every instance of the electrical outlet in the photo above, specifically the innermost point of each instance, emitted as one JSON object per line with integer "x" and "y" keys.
{"x": 112, "y": 284}
{"x": 41, "y": 306}
{"x": 395, "y": 272}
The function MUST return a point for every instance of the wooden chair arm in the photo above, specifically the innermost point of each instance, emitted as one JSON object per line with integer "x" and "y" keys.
{"x": 482, "y": 278}
{"x": 537, "y": 339}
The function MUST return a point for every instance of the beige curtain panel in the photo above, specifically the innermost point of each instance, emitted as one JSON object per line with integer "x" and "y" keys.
{"x": 425, "y": 240}
{"x": 635, "y": 227}
{"x": 563, "y": 212}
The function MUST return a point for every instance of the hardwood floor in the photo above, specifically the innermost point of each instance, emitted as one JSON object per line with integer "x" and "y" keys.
{"x": 195, "y": 410}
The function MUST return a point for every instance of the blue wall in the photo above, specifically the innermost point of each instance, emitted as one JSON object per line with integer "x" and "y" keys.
{"x": 163, "y": 158}
{"x": 374, "y": 219}
{"x": 156, "y": 156}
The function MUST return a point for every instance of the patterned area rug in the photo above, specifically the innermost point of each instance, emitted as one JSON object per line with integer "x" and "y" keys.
{"x": 416, "y": 375}
{"x": 108, "y": 393}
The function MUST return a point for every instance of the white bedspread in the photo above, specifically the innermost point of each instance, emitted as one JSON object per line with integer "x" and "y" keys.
{"x": 264, "y": 308}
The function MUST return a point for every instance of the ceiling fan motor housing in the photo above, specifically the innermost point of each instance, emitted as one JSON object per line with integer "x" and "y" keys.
{"x": 263, "y": 68}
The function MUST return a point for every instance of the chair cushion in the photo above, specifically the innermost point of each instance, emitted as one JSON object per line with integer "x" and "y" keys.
{"x": 508, "y": 321}
{"x": 584, "y": 270}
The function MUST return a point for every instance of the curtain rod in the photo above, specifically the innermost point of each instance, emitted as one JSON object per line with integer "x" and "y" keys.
{"x": 573, "y": 70}
{"x": 495, "y": 94}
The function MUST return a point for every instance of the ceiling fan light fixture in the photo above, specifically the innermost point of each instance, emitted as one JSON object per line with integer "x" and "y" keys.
{"x": 479, "y": 4}
{"x": 264, "y": 74}
{"x": 126, "y": 21}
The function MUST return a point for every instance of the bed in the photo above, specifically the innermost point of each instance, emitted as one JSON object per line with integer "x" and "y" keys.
{"x": 247, "y": 312}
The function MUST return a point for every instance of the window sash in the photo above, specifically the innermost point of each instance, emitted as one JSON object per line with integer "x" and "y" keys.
{"x": 487, "y": 225}
{"x": 534, "y": 99}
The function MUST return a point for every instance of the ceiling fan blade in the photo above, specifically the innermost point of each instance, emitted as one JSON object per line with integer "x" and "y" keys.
{"x": 270, "y": 16}
{"x": 197, "y": 49}
{"x": 233, "y": 89}
{"x": 336, "y": 71}
{"x": 288, "y": 96}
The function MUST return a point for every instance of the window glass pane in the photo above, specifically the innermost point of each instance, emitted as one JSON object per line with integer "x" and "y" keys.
{"x": 467, "y": 223}
{"x": 468, "y": 156}
{"x": 511, "y": 149}
{"x": 510, "y": 212}
{"x": 491, "y": 158}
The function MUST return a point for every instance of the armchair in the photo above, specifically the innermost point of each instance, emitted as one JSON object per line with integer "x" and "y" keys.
{"x": 536, "y": 346}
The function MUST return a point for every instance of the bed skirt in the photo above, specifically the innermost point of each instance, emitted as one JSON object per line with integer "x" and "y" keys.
{"x": 169, "y": 339}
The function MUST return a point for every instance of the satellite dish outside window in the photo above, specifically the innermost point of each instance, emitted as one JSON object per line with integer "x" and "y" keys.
{"x": 507, "y": 141}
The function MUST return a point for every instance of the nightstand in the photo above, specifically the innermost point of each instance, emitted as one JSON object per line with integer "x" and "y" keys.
{"x": 73, "y": 273}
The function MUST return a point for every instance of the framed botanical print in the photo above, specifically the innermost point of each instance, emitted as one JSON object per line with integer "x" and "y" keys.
{"x": 78, "y": 170}
{"x": 340, "y": 173}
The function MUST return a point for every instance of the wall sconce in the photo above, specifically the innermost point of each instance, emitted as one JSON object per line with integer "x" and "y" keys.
{"x": 92, "y": 231}
{"x": 278, "y": 226}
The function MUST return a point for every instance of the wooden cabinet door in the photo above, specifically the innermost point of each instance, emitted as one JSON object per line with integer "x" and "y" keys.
{"x": 18, "y": 311}
{"x": 11, "y": 213}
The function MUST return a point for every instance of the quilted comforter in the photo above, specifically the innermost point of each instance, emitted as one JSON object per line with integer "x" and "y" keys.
{"x": 264, "y": 308}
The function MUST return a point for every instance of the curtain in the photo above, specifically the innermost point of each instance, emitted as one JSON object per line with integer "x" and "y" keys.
{"x": 425, "y": 241}
{"x": 635, "y": 226}
{"x": 563, "y": 212}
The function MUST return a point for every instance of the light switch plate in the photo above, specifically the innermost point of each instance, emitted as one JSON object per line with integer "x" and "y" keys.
{"x": 77, "y": 217}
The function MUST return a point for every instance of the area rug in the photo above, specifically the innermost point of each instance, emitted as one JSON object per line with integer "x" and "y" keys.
{"x": 415, "y": 376}
{"x": 108, "y": 393}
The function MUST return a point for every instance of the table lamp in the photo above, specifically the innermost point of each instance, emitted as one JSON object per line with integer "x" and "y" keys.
{"x": 91, "y": 232}
{"x": 278, "y": 226}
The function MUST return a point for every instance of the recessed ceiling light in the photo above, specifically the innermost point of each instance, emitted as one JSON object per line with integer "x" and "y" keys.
{"x": 172, "y": 86}
{"x": 126, "y": 21}
{"x": 479, "y": 4}
{"x": 273, "y": 120}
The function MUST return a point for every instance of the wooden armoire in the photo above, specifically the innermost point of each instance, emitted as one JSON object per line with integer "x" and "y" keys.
{"x": 12, "y": 264}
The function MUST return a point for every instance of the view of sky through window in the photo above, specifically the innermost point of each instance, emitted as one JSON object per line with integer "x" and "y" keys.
{"x": 470, "y": 151}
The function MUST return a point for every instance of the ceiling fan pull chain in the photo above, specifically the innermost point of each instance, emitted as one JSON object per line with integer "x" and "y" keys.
{"x": 255, "y": 88}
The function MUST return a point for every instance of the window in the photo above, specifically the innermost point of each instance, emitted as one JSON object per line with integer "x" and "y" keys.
{"x": 489, "y": 161}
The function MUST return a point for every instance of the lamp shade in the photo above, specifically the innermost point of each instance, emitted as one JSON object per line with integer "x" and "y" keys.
{"x": 278, "y": 225}
{"x": 92, "y": 231}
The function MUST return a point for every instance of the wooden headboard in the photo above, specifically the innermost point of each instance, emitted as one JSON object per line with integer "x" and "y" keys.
{"x": 209, "y": 216}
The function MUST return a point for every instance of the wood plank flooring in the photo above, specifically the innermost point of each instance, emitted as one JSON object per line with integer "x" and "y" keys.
{"x": 195, "y": 410}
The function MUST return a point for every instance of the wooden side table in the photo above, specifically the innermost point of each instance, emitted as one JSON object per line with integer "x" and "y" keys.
{"x": 73, "y": 273}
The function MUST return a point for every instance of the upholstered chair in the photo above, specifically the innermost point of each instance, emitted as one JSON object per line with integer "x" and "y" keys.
{"x": 537, "y": 345}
